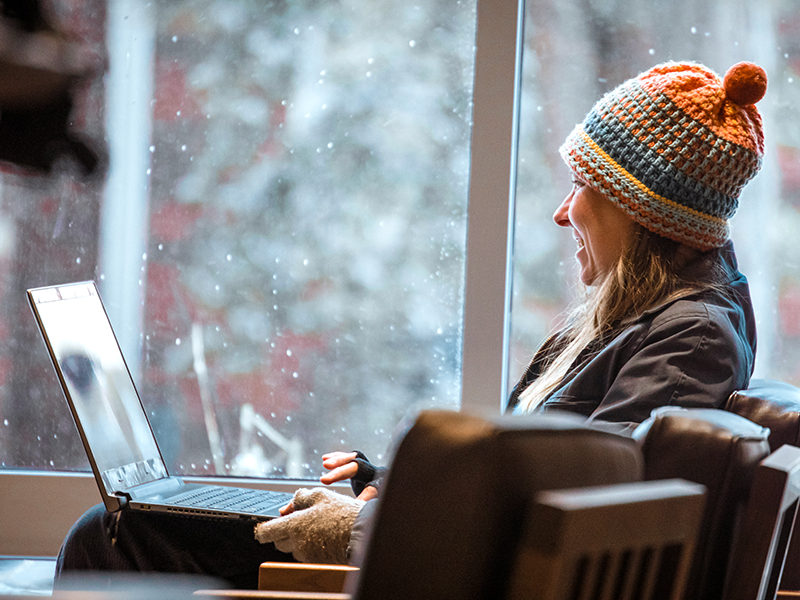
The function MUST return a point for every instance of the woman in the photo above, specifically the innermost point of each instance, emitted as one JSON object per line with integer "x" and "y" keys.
{"x": 658, "y": 166}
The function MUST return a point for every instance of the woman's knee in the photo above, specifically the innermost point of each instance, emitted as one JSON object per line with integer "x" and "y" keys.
{"x": 84, "y": 546}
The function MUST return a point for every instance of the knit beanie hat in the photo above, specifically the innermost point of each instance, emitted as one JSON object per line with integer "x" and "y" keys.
{"x": 674, "y": 147}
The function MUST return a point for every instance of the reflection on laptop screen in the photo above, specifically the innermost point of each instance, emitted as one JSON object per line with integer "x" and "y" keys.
{"x": 102, "y": 395}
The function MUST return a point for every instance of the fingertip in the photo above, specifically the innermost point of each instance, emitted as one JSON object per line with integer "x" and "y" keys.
{"x": 338, "y": 454}
{"x": 330, "y": 463}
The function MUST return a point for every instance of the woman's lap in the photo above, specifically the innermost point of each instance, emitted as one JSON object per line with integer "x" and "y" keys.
{"x": 129, "y": 541}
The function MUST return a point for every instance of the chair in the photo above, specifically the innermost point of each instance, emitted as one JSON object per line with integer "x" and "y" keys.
{"x": 629, "y": 549}
{"x": 758, "y": 558}
{"x": 721, "y": 451}
{"x": 751, "y": 499}
{"x": 775, "y": 405}
{"x": 448, "y": 522}
{"x": 595, "y": 540}
{"x": 610, "y": 542}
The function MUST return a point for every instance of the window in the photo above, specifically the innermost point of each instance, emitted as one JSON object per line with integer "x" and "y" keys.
{"x": 280, "y": 237}
{"x": 284, "y": 223}
{"x": 575, "y": 52}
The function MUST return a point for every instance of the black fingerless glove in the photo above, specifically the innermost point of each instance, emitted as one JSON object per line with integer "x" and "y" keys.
{"x": 368, "y": 475}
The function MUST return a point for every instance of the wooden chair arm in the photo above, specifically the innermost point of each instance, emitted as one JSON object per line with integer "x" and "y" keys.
{"x": 302, "y": 577}
{"x": 270, "y": 595}
{"x": 292, "y": 581}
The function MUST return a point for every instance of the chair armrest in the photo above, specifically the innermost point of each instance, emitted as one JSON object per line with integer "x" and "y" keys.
{"x": 302, "y": 577}
{"x": 268, "y": 595}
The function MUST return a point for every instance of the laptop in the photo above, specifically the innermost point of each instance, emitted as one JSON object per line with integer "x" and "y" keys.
{"x": 111, "y": 420}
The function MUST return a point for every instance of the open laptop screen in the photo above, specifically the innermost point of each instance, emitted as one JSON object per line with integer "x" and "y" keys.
{"x": 99, "y": 388}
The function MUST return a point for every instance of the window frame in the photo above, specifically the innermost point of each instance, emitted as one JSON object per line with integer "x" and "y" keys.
{"x": 61, "y": 497}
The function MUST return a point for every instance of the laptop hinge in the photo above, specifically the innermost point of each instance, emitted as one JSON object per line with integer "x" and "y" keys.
{"x": 123, "y": 498}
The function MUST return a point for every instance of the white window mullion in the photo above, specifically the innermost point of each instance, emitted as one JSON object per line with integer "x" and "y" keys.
{"x": 491, "y": 205}
{"x": 124, "y": 221}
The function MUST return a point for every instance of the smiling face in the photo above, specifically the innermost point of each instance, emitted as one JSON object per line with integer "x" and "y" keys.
{"x": 601, "y": 229}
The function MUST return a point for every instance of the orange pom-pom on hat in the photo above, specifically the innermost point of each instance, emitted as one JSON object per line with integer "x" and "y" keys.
{"x": 745, "y": 83}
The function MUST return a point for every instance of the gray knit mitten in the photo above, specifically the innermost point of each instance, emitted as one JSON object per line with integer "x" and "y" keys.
{"x": 319, "y": 528}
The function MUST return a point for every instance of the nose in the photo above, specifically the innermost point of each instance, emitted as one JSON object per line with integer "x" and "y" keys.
{"x": 561, "y": 216}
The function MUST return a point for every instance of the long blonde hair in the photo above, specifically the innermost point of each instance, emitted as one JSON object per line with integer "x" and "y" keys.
{"x": 648, "y": 273}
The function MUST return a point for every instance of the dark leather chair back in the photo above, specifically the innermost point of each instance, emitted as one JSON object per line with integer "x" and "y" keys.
{"x": 450, "y": 518}
{"x": 775, "y": 405}
{"x": 719, "y": 450}
{"x": 771, "y": 404}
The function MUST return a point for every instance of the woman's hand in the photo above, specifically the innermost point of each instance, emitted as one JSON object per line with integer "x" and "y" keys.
{"x": 342, "y": 466}
{"x": 318, "y": 530}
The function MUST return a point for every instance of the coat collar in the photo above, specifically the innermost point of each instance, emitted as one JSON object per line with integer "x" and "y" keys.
{"x": 708, "y": 266}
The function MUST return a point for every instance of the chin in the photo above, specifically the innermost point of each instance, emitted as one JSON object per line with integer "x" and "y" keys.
{"x": 587, "y": 279}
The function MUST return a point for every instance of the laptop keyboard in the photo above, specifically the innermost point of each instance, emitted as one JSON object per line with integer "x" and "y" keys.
{"x": 240, "y": 500}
